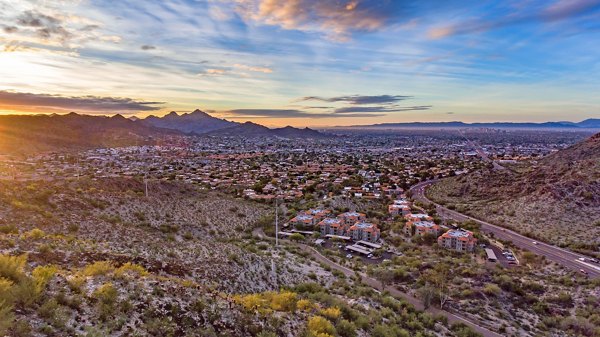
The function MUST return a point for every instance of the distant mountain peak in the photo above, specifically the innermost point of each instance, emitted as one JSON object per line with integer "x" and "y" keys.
{"x": 199, "y": 112}
{"x": 195, "y": 122}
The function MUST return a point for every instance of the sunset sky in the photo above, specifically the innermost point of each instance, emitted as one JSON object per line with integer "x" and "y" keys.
{"x": 304, "y": 62}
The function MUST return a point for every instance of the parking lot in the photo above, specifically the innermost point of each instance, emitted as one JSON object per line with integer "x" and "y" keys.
{"x": 504, "y": 260}
{"x": 340, "y": 246}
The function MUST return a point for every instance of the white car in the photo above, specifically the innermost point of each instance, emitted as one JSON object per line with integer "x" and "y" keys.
{"x": 349, "y": 256}
{"x": 535, "y": 242}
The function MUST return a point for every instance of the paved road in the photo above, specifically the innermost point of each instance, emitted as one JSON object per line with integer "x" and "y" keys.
{"x": 561, "y": 256}
{"x": 452, "y": 318}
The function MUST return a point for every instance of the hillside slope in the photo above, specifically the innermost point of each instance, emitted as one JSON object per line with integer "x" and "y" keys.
{"x": 94, "y": 257}
{"x": 36, "y": 133}
{"x": 556, "y": 199}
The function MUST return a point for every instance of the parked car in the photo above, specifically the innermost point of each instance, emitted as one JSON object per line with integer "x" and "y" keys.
{"x": 535, "y": 242}
{"x": 349, "y": 256}
{"x": 583, "y": 271}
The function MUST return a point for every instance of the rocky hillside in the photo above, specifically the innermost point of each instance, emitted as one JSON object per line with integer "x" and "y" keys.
{"x": 556, "y": 199}
{"x": 35, "y": 133}
{"x": 97, "y": 258}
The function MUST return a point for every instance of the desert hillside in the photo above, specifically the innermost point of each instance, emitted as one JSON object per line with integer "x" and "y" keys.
{"x": 556, "y": 199}
{"x": 95, "y": 257}
{"x": 22, "y": 134}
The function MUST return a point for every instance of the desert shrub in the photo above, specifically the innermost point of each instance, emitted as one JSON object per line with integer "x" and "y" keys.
{"x": 304, "y": 305}
{"x": 319, "y": 326}
{"x": 332, "y": 313}
{"x": 266, "y": 302}
{"x": 48, "y": 309}
{"x": 34, "y": 234}
{"x": 130, "y": 268}
{"x": 462, "y": 330}
{"x": 491, "y": 289}
{"x": 98, "y": 268}
{"x": 346, "y": 328}
{"x": 25, "y": 293}
{"x": 106, "y": 293}
{"x": 251, "y": 302}
{"x": 381, "y": 330}
{"x": 9, "y": 229}
{"x": 12, "y": 267}
{"x": 107, "y": 296}
{"x": 42, "y": 275}
{"x": 6, "y": 317}
{"x": 76, "y": 282}
{"x": 284, "y": 301}
{"x": 563, "y": 299}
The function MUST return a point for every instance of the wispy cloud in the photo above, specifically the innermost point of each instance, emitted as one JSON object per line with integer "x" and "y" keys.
{"x": 358, "y": 99}
{"x": 265, "y": 70}
{"x": 338, "y": 19}
{"x": 285, "y": 113}
{"x": 91, "y": 104}
{"x": 369, "y": 109}
{"x": 557, "y": 11}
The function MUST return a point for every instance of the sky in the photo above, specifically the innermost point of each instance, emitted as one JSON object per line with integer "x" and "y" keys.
{"x": 304, "y": 62}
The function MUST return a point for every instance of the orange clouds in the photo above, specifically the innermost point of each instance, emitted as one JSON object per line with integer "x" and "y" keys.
{"x": 338, "y": 19}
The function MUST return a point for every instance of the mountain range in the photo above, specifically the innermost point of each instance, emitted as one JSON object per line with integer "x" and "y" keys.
{"x": 195, "y": 122}
{"x": 592, "y": 123}
{"x": 40, "y": 133}
{"x": 200, "y": 123}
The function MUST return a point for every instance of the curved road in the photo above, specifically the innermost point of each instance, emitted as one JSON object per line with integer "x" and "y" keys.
{"x": 559, "y": 255}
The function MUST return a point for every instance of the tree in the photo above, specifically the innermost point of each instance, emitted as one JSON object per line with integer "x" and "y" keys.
{"x": 427, "y": 294}
{"x": 384, "y": 275}
{"x": 438, "y": 279}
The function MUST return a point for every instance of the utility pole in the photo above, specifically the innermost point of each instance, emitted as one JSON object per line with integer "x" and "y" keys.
{"x": 276, "y": 223}
{"x": 146, "y": 184}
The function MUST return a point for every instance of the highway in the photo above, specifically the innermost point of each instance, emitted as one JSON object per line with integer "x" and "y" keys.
{"x": 556, "y": 254}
